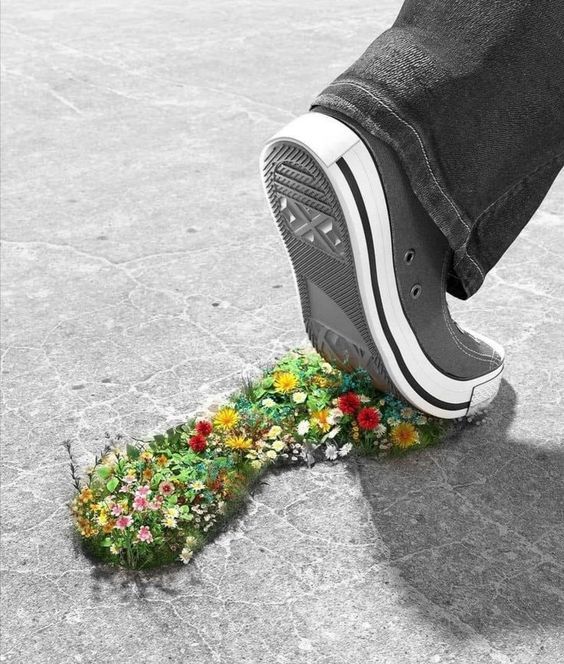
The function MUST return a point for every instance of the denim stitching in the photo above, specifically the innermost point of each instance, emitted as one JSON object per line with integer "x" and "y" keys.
{"x": 371, "y": 94}
{"x": 516, "y": 186}
{"x": 471, "y": 352}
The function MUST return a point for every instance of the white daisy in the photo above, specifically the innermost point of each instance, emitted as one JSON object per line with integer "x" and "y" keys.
{"x": 303, "y": 427}
{"x": 268, "y": 402}
{"x": 331, "y": 452}
{"x": 345, "y": 449}
{"x": 185, "y": 555}
{"x": 299, "y": 397}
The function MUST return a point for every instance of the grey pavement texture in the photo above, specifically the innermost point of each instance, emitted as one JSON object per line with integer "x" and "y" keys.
{"x": 142, "y": 276}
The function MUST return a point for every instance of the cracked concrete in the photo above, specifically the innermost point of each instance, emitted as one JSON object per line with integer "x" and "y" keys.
{"x": 142, "y": 277}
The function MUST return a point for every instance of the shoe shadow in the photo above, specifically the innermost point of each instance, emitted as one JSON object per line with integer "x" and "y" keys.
{"x": 476, "y": 525}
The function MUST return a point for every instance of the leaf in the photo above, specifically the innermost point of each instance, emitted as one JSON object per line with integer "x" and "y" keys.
{"x": 112, "y": 484}
{"x": 133, "y": 451}
{"x": 107, "y": 541}
{"x": 104, "y": 472}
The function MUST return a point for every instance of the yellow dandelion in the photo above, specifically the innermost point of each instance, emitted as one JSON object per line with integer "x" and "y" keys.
{"x": 285, "y": 381}
{"x": 239, "y": 443}
{"x": 321, "y": 419}
{"x": 226, "y": 418}
{"x": 404, "y": 435}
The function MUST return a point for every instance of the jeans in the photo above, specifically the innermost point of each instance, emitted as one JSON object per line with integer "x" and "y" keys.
{"x": 470, "y": 95}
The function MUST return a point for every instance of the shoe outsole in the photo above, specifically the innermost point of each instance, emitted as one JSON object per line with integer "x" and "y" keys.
{"x": 312, "y": 224}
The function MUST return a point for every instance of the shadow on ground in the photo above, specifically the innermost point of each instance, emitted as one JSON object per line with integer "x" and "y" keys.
{"x": 476, "y": 524}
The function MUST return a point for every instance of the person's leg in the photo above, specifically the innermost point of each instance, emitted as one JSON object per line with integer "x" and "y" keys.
{"x": 470, "y": 95}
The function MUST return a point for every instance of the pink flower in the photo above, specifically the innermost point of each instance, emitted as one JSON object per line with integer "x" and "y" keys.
{"x": 123, "y": 522}
{"x": 128, "y": 479}
{"x": 124, "y": 488}
{"x": 143, "y": 490}
{"x": 140, "y": 503}
{"x": 166, "y": 488}
{"x": 116, "y": 509}
{"x": 145, "y": 534}
{"x": 154, "y": 505}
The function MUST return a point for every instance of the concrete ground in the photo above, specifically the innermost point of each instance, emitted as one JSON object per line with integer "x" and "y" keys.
{"x": 142, "y": 276}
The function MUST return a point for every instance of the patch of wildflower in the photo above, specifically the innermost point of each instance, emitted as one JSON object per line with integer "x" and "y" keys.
{"x": 161, "y": 500}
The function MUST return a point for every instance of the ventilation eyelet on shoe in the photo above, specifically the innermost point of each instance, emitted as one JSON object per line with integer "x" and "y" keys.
{"x": 415, "y": 291}
{"x": 409, "y": 256}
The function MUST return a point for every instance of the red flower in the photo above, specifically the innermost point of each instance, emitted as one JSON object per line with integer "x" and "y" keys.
{"x": 198, "y": 443}
{"x": 368, "y": 418}
{"x": 349, "y": 403}
{"x": 204, "y": 427}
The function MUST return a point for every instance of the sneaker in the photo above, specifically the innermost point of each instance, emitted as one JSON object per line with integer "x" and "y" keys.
{"x": 370, "y": 267}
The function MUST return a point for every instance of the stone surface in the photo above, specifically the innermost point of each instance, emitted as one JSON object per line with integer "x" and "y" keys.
{"x": 142, "y": 277}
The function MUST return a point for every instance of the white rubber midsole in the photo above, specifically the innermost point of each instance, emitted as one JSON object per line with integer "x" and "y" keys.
{"x": 329, "y": 140}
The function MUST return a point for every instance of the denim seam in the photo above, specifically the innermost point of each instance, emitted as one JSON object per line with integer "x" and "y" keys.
{"x": 471, "y": 352}
{"x": 514, "y": 188}
{"x": 391, "y": 110}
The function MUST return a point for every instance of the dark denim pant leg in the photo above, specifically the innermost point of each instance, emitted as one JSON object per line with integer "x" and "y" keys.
{"x": 470, "y": 94}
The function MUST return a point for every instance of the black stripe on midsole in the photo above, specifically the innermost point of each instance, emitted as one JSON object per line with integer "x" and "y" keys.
{"x": 346, "y": 171}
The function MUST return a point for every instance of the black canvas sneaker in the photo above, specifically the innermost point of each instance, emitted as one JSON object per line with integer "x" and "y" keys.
{"x": 370, "y": 267}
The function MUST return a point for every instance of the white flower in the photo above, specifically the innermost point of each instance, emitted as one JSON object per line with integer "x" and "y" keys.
{"x": 278, "y": 446}
{"x": 299, "y": 397}
{"x": 256, "y": 464}
{"x": 303, "y": 427}
{"x": 114, "y": 549}
{"x": 271, "y": 454}
{"x": 268, "y": 402}
{"x": 191, "y": 541}
{"x": 364, "y": 398}
{"x": 331, "y": 452}
{"x": 335, "y": 415}
{"x": 380, "y": 430}
{"x": 326, "y": 367}
{"x": 421, "y": 419}
{"x": 407, "y": 412}
{"x": 345, "y": 449}
{"x": 185, "y": 555}
{"x": 331, "y": 434}
{"x": 274, "y": 431}
{"x": 198, "y": 485}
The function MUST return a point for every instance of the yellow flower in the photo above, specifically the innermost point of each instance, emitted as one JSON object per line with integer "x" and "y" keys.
{"x": 278, "y": 445}
{"x": 146, "y": 455}
{"x": 147, "y": 474}
{"x": 162, "y": 460}
{"x": 320, "y": 418}
{"x": 285, "y": 381}
{"x": 320, "y": 381}
{"x": 404, "y": 435}
{"x": 239, "y": 442}
{"x": 114, "y": 549}
{"x": 274, "y": 431}
{"x": 226, "y": 418}
{"x": 103, "y": 518}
